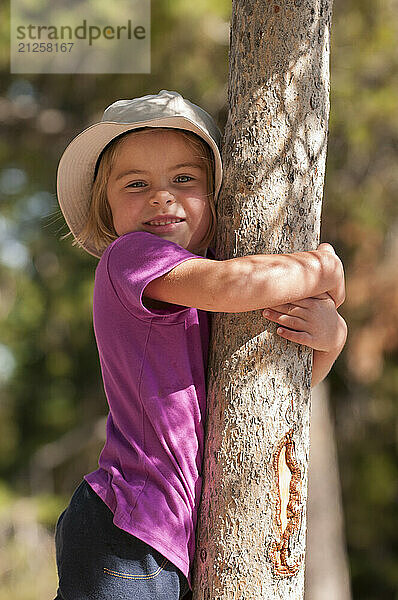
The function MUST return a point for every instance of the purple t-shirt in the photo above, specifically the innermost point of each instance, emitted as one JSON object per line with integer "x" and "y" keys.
{"x": 153, "y": 364}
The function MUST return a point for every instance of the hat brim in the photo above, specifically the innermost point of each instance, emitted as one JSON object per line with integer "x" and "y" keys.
{"x": 76, "y": 167}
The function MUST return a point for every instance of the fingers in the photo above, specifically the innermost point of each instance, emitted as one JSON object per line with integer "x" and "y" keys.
{"x": 314, "y": 302}
{"x": 292, "y": 329}
{"x": 296, "y": 308}
{"x": 300, "y": 307}
{"x": 324, "y": 296}
{"x": 288, "y": 320}
{"x": 299, "y": 337}
{"x": 282, "y": 308}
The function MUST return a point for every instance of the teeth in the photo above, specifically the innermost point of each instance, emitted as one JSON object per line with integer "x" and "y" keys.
{"x": 165, "y": 222}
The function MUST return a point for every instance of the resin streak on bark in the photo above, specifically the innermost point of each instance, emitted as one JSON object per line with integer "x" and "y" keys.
{"x": 288, "y": 508}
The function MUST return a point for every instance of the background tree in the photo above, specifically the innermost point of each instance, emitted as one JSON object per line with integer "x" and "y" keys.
{"x": 326, "y": 566}
{"x": 252, "y": 523}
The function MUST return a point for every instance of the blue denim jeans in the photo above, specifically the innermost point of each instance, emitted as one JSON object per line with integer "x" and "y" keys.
{"x": 98, "y": 561}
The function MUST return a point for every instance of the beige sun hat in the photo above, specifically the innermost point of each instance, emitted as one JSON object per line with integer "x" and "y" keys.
{"x": 76, "y": 167}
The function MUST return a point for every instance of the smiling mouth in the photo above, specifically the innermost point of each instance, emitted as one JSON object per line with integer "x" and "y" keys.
{"x": 168, "y": 221}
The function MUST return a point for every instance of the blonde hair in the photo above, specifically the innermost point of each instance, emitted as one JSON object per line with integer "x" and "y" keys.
{"x": 99, "y": 230}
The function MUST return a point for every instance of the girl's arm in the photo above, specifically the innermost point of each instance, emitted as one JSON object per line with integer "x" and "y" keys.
{"x": 322, "y": 362}
{"x": 251, "y": 282}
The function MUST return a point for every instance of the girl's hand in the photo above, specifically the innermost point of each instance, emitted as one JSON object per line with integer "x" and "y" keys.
{"x": 313, "y": 322}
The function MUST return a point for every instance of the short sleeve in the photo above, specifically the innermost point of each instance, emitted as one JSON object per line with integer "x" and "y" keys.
{"x": 134, "y": 260}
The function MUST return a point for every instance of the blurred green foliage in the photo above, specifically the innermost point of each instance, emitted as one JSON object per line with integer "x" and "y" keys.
{"x": 361, "y": 217}
{"x": 51, "y": 398}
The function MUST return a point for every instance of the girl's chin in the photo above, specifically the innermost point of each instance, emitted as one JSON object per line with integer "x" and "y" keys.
{"x": 172, "y": 236}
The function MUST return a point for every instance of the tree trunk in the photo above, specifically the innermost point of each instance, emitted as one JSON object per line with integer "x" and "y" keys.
{"x": 252, "y": 518}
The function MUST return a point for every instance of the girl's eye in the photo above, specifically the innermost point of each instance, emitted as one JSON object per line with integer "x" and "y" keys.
{"x": 134, "y": 184}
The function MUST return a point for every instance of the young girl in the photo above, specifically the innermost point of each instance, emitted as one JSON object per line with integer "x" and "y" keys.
{"x": 138, "y": 190}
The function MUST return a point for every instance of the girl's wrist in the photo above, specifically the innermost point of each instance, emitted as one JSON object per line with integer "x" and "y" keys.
{"x": 338, "y": 343}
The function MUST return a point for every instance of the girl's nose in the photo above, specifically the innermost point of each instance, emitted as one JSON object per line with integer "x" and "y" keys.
{"x": 162, "y": 197}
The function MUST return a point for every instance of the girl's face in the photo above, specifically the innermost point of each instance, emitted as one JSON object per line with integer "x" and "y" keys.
{"x": 156, "y": 178}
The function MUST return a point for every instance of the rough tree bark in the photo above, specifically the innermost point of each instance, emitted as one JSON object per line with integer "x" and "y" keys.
{"x": 252, "y": 518}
